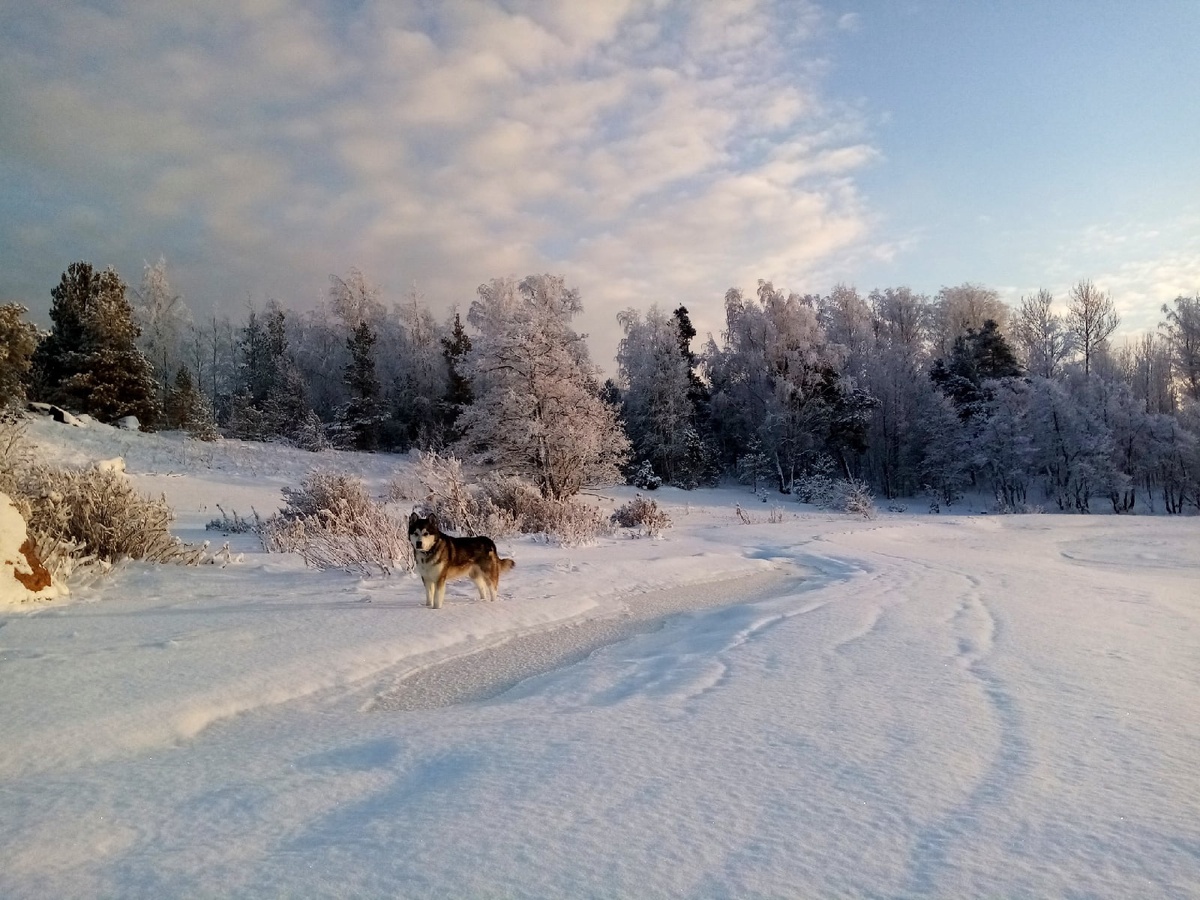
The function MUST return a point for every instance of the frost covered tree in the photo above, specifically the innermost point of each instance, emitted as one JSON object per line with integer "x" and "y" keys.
{"x": 419, "y": 382}
{"x": 901, "y": 318}
{"x": 1182, "y": 329}
{"x": 1131, "y": 431}
{"x": 1072, "y": 445}
{"x": 656, "y": 402}
{"x": 1001, "y": 448}
{"x": 1147, "y": 366}
{"x": 1092, "y": 318}
{"x": 537, "y": 410}
{"x": 848, "y": 321}
{"x": 318, "y": 340}
{"x": 211, "y": 353}
{"x": 163, "y": 318}
{"x": 1177, "y": 469}
{"x": 893, "y": 371}
{"x": 774, "y": 380}
{"x": 957, "y": 310}
{"x": 89, "y": 362}
{"x": 355, "y": 300}
{"x": 910, "y": 421}
{"x": 1040, "y": 335}
{"x": 18, "y": 340}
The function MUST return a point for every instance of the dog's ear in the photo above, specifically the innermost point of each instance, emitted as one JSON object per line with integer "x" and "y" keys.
{"x": 432, "y": 520}
{"x": 412, "y": 517}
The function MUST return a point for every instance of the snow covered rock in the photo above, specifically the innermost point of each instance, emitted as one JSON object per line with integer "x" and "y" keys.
{"x": 128, "y": 423}
{"x": 57, "y": 413}
{"x": 22, "y": 576}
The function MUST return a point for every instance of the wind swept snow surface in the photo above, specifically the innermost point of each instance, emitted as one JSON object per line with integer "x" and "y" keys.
{"x": 914, "y": 706}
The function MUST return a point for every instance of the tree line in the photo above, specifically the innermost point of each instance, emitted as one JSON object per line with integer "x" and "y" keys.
{"x": 913, "y": 395}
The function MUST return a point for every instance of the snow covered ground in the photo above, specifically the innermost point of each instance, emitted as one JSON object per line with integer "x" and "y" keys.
{"x": 953, "y": 706}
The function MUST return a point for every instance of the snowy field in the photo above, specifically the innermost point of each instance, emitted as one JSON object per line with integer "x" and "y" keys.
{"x": 914, "y": 706}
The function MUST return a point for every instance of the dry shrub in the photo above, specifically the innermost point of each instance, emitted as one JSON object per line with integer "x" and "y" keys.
{"x": 644, "y": 514}
{"x": 82, "y": 521}
{"x": 101, "y": 513}
{"x": 232, "y": 523}
{"x": 16, "y": 456}
{"x": 333, "y": 523}
{"x": 499, "y": 506}
{"x": 325, "y": 491}
{"x": 569, "y": 522}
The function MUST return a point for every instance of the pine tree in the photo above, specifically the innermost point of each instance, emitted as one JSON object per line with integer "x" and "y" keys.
{"x": 187, "y": 408}
{"x": 455, "y": 347}
{"x": 90, "y": 362}
{"x": 977, "y": 357}
{"x": 287, "y": 412}
{"x": 359, "y": 420}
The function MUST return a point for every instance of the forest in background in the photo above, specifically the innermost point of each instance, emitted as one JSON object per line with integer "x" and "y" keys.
{"x": 909, "y": 395}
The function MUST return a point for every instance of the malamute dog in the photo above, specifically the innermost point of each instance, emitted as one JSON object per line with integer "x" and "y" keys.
{"x": 442, "y": 557}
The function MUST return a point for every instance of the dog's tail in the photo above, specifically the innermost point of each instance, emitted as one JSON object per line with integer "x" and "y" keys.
{"x": 506, "y": 564}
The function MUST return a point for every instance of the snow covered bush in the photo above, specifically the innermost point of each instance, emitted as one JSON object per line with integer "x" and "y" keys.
{"x": 82, "y": 513}
{"x": 856, "y": 498}
{"x": 459, "y": 506}
{"x": 643, "y": 477}
{"x": 818, "y": 489}
{"x": 827, "y": 492}
{"x": 642, "y": 513}
{"x": 333, "y": 523}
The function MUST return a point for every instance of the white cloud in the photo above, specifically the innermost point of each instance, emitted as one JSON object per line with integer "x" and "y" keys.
{"x": 850, "y": 21}
{"x": 643, "y": 149}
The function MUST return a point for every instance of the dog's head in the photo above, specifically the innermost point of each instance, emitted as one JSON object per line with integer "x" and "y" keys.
{"x": 422, "y": 532}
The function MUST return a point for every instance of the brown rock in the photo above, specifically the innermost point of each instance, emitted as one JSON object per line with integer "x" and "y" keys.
{"x": 37, "y": 579}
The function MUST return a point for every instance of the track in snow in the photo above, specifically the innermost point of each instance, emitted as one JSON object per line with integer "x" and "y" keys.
{"x": 492, "y": 671}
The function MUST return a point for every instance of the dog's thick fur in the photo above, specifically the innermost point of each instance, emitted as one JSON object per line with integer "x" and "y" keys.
{"x": 442, "y": 557}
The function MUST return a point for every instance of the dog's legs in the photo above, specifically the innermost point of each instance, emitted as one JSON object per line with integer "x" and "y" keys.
{"x": 482, "y": 585}
{"x": 439, "y": 593}
{"x": 429, "y": 589}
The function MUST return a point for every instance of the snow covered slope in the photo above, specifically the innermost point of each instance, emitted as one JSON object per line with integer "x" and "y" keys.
{"x": 913, "y": 706}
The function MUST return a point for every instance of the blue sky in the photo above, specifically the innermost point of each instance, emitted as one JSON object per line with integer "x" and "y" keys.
{"x": 651, "y": 152}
